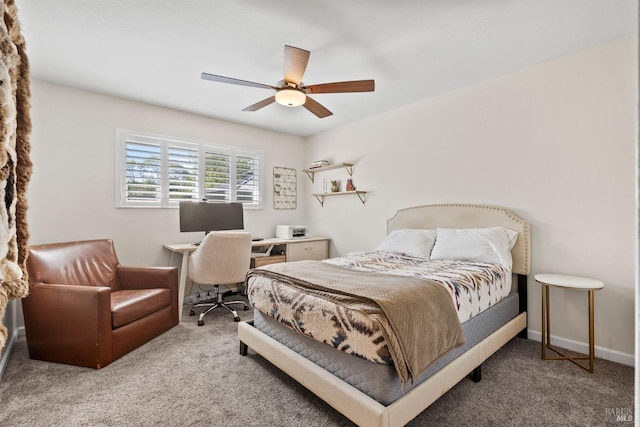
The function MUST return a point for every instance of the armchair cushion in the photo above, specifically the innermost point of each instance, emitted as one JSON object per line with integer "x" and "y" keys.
{"x": 131, "y": 305}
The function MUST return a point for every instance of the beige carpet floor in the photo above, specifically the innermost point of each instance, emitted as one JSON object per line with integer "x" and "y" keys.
{"x": 194, "y": 376}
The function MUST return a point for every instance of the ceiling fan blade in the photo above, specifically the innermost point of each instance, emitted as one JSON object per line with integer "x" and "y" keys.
{"x": 295, "y": 62}
{"x": 340, "y": 87}
{"x": 261, "y": 104}
{"x": 316, "y": 108}
{"x": 222, "y": 79}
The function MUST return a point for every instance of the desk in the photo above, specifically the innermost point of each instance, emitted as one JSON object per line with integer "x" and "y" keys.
{"x": 567, "y": 282}
{"x": 295, "y": 250}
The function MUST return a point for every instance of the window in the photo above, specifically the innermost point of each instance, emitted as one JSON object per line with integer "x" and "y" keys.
{"x": 155, "y": 171}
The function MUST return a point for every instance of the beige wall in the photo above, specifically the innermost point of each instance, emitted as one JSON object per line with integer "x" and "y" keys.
{"x": 555, "y": 142}
{"x": 72, "y": 191}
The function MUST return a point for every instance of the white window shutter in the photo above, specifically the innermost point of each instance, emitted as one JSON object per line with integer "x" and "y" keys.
{"x": 248, "y": 177}
{"x": 182, "y": 173}
{"x": 143, "y": 175}
{"x": 217, "y": 175}
{"x": 155, "y": 171}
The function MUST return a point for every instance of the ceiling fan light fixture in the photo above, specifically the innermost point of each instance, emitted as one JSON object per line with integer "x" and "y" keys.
{"x": 290, "y": 97}
{"x": 290, "y": 91}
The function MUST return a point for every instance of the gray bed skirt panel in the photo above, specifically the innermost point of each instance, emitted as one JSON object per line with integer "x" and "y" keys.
{"x": 378, "y": 381}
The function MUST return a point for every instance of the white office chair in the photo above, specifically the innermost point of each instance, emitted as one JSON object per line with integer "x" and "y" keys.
{"x": 222, "y": 258}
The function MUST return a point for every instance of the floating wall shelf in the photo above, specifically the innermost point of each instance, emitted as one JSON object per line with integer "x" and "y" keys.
{"x": 311, "y": 171}
{"x": 321, "y": 196}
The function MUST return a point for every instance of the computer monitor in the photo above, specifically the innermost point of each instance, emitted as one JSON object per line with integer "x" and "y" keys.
{"x": 210, "y": 216}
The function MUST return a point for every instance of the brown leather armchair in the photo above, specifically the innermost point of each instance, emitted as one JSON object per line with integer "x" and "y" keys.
{"x": 85, "y": 309}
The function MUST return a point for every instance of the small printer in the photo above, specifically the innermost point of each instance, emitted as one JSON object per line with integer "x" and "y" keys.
{"x": 289, "y": 232}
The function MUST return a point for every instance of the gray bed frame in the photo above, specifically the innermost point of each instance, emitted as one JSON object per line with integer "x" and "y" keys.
{"x": 353, "y": 403}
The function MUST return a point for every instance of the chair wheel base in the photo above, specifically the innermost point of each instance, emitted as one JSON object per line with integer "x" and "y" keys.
{"x": 245, "y": 308}
{"x": 192, "y": 312}
{"x": 200, "y": 322}
{"x": 236, "y": 319}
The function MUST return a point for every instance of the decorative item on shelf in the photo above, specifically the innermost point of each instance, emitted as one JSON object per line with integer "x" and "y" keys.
{"x": 325, "y": 186}
{"x": 319, "y": 164}
{"x": 335, "y": 186}
{"x": 350, "y": 186}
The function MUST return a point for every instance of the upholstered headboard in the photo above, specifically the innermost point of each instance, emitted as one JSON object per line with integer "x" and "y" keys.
{"x": 469, "y": 216}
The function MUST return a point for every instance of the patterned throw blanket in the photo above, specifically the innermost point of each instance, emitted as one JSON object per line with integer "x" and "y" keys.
{"x": 416, "y": 317}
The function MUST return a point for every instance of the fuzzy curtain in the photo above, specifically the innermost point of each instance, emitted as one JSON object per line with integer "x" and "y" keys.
{"x": 15, "y": 164}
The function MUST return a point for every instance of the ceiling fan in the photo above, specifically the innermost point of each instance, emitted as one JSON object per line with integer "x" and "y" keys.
{"x": 291, "y": 92}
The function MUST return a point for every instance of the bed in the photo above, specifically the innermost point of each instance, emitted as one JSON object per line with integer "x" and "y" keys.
{"x": 375, "y": 394}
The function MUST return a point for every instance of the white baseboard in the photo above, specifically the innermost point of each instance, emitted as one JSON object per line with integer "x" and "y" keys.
{"x": 580, "y": 347}
{"x": 8, "y": 348}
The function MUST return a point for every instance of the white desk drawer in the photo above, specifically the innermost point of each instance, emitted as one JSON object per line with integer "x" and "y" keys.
{"x": 299, "y": 251}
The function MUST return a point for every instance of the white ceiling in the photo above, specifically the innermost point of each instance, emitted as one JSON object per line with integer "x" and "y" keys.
{"x": 153, "y": 51}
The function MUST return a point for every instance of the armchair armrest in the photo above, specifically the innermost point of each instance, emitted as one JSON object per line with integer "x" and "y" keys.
{"x": 149, "y": 278}
{"x": 69, "y": 323}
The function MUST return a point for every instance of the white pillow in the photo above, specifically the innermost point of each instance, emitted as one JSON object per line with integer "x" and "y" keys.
{"x": 411, "y": 242}
{"x": 491, "y": 245}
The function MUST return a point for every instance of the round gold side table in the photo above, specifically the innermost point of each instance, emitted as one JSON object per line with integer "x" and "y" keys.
{"x": 567, "y": 282}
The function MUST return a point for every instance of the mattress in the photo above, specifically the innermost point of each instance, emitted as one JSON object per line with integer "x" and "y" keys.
{"x": 473, "y": 288}
{"x": 380, "y": 381}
